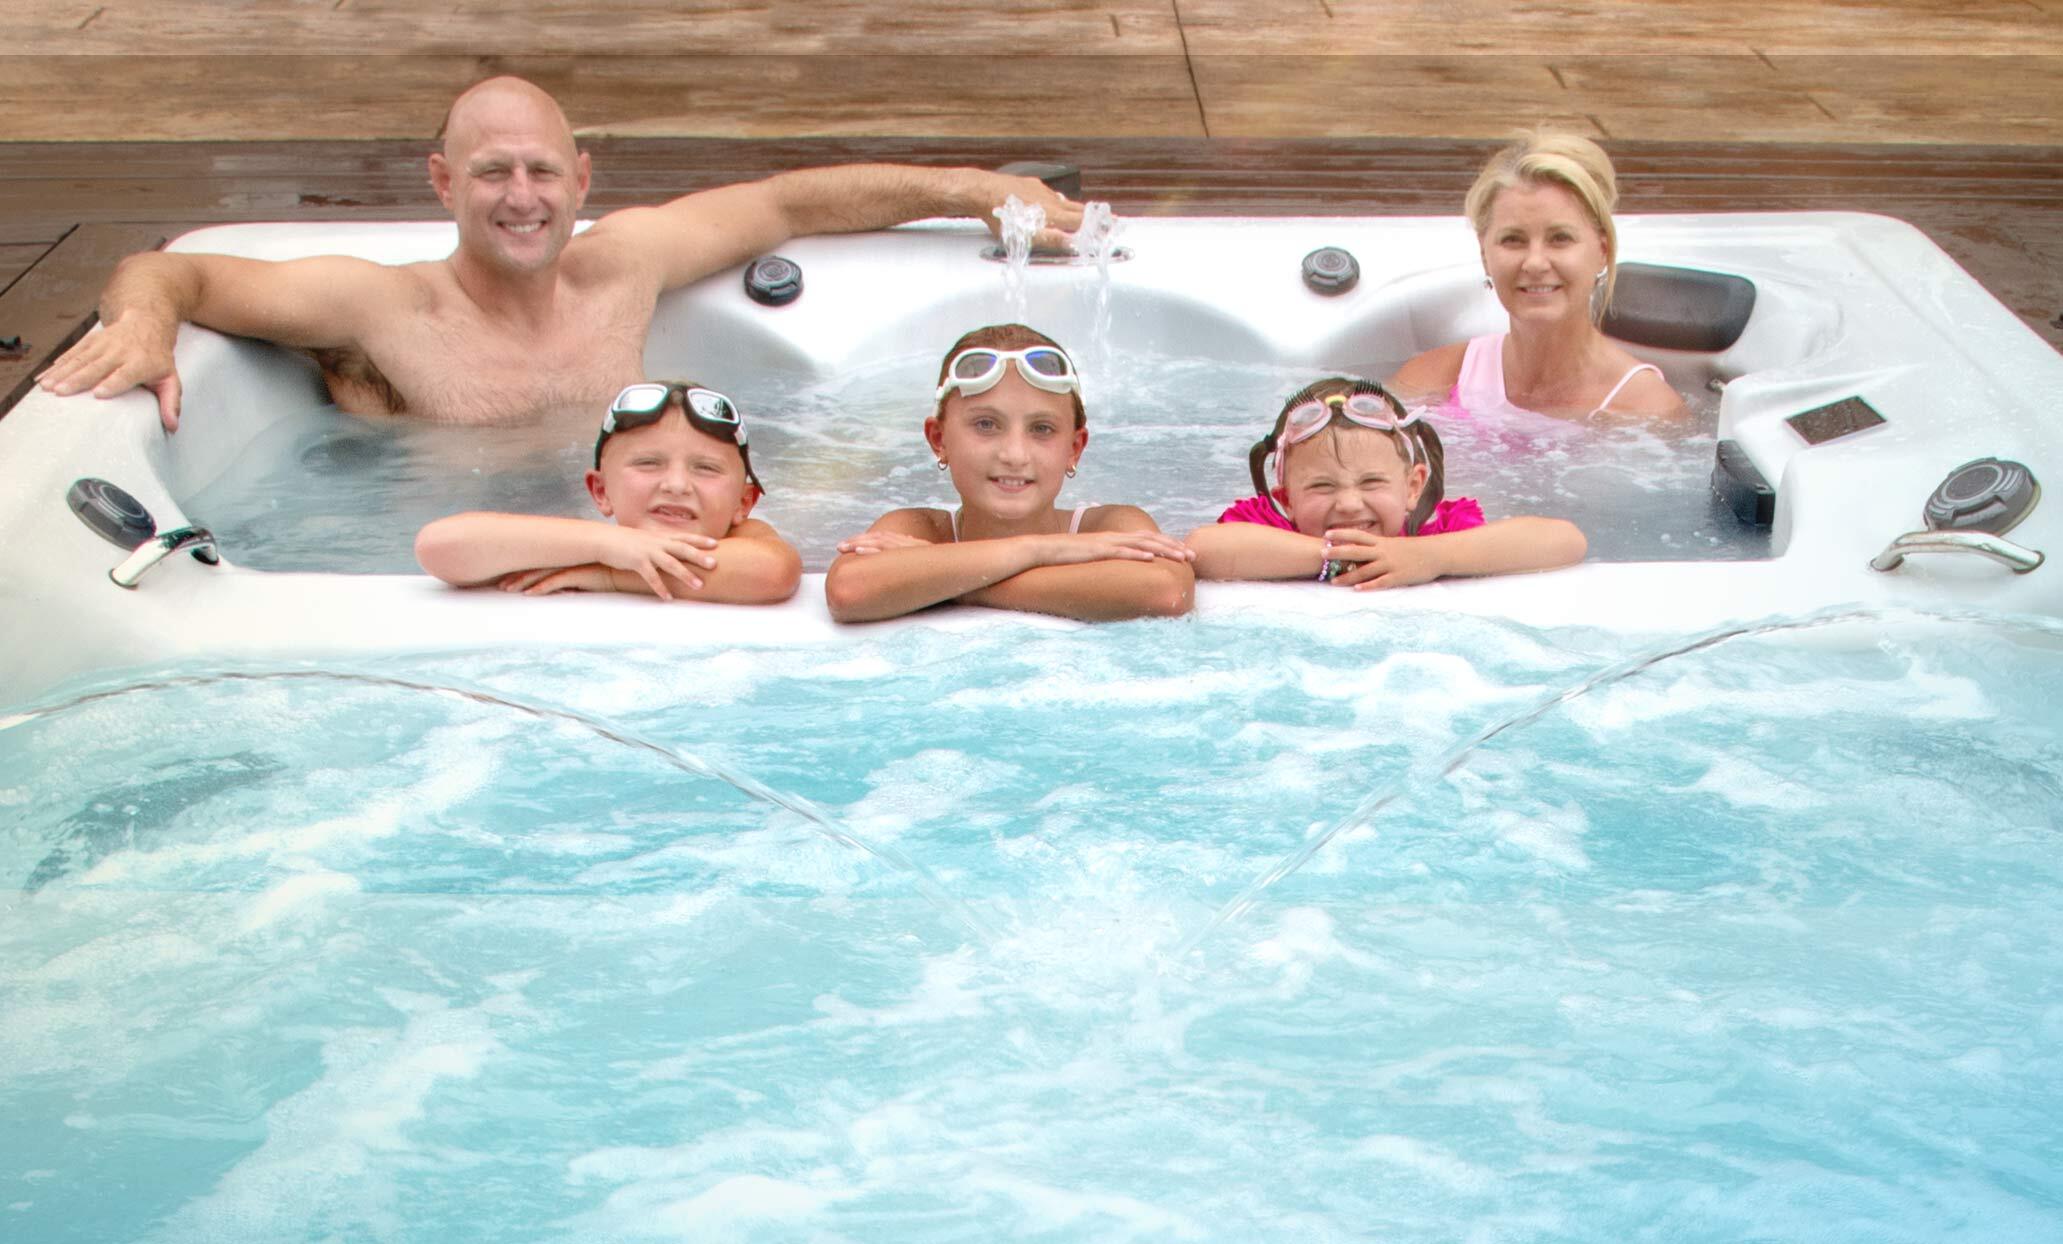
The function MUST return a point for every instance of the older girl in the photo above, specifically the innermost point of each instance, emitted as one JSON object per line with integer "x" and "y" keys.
{"x": 1009, "y": 427}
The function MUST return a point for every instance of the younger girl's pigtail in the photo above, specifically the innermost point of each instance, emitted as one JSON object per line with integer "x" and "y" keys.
{"x": 1435, "y": 458}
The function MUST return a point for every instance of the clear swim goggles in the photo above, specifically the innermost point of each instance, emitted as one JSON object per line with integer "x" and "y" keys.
{"x": 978, "y": 369}
{"x": 708, "y": 411}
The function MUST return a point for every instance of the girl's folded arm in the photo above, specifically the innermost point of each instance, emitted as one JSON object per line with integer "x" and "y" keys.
{"x": 1105, "y": 588}
{"x": 866, "y": 587}
{"x": 1508, "y": 546}
{"x": 1253, "y": 551}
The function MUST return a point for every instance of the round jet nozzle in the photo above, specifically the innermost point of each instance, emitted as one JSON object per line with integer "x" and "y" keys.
{"x": 1990, "y": 494}
{"x": 772, "y": 281}
{"x": 1330, "y": 270}
{"x": 112, "y": 513}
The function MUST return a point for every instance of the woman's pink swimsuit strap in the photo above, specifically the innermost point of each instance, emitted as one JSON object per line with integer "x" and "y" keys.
{"x": 1479, "y": 389}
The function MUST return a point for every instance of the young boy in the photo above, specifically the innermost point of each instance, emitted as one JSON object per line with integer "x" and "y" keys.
{"x": 671, "y": 468}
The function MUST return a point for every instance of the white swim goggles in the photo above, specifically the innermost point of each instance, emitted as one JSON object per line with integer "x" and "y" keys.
{"x": 708, "y": 411}
{"x": 978, "y": 369}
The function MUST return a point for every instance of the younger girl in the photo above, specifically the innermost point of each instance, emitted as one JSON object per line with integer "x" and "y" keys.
{"x": 1010, "y": 427}
{"x": 1356, "y": 499}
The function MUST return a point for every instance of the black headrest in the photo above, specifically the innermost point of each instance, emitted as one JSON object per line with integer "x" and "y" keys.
{"x": 1679, "y": 308}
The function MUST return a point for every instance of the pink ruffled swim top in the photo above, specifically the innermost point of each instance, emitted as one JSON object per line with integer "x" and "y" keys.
{"x": 1453, "y": 514}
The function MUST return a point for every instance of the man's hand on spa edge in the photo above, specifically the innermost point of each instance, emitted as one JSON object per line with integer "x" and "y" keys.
{"x": 132, "y": 352}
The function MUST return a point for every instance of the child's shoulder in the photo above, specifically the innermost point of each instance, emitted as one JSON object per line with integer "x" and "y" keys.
{"x": 1117, "y": 518}
{"x": 921, "y": 521}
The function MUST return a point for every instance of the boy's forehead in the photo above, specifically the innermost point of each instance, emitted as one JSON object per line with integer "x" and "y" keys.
{"x": 673, "y": 433}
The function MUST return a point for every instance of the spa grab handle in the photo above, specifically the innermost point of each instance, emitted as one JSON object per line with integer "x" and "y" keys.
{"x": 159, "y": 547}
{"x": 1997, "y": 548}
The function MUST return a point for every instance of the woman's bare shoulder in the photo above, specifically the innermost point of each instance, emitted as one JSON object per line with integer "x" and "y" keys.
{"x": 1431, "y": 374}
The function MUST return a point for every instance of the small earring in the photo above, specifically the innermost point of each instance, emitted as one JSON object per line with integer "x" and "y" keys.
{"x": 1602, "y": 272}
{"x": 1487, "y": 282}
{"x": 941, "y": 464}
{"x": 1070, "y": 472}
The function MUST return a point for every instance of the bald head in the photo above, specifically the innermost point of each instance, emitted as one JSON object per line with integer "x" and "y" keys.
{"x": 511, "y": 178}
{"x": 502, "y": 105}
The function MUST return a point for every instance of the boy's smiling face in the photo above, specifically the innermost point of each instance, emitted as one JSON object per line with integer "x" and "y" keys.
{"x": 669, "y": 476}
{"x": 1350, "y": 476}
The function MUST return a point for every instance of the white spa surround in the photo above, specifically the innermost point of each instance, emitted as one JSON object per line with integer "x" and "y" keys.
{"x": 1848, "y": 305}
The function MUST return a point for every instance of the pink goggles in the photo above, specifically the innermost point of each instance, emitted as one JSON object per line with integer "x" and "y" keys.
{"x": 1371, "y": 410}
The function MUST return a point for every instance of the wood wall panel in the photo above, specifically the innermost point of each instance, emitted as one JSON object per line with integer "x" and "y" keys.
{"x": 1312, "y": 28}
{"x": 991, "y": 30}
{"x": 97, "y": 98}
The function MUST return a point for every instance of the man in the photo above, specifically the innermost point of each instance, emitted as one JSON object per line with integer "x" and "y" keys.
{"x": 524, "y": 317}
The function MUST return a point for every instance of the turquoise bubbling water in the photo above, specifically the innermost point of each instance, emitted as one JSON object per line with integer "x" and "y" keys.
{"x": 1762, "y": 942}
{"x": 325, "y": 491}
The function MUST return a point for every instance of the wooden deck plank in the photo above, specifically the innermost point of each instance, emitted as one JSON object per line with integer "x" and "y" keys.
{"x": 187, "y": 98}
{"x": 17, "y": 258}
{"x": 52, "y": 305}
{"x": 1309, "y": 29}
{"x": 987, "y": 29}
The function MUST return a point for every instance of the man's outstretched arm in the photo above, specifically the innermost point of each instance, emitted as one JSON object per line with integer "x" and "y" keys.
{"x": 706, "y": 232}
{"x": 302, "y": 302}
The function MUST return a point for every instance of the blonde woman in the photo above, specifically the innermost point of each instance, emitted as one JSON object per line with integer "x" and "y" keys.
{"x": 1542, "y": 211}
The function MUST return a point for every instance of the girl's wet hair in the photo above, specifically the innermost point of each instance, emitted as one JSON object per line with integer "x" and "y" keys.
{"x": 1570, "y": 161}
{"x": 1006, "y": 337}
{"x": 1423, "y": 444}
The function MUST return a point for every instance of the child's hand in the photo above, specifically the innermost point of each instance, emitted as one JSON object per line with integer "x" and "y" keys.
{"x": 1098, "y": 546}
{"x": 652, "y": 555}
{"x": 880, "y": 542}
{"x": 1376, "y": 562}
{"x": 593, "y": 577}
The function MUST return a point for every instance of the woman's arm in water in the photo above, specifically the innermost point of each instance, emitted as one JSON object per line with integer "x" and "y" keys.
{"x": 899, "y": 566}
{"x": 1127, "y": 568}
{"x": 1429, "y": 377}
{"x": 1255, "y": 551}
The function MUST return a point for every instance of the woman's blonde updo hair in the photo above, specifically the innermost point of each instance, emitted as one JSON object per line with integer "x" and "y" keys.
{"x": 1570, "y": 161}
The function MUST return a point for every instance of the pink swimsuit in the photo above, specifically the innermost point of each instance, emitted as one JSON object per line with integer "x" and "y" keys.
{"x": 1479, "y": 389}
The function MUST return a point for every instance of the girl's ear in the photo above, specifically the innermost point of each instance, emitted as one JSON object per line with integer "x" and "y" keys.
{"x": 1081, "y": 442}
{"x": 1280, "y": 494}
{"x": 600, "y": 492}
{"x": 1418, "y": 478}
{"x": 935, "y": 436}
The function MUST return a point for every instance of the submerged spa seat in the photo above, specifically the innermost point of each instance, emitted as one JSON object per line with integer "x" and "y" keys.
{"x": 1860, "y": 367}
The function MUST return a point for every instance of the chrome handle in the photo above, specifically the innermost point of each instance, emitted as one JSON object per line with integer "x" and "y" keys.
{"x": 161, "y": 546}
{"x": 1997, "y": 548}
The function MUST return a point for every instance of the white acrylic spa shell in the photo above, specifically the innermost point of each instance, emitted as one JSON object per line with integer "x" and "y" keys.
{"x": 1848, "y": 306}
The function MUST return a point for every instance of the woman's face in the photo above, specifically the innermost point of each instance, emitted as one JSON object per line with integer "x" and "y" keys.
{"x": 1543, "y": 252}
{"x": 1009, "y": 448}
{"x": 1350, "y": 477}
